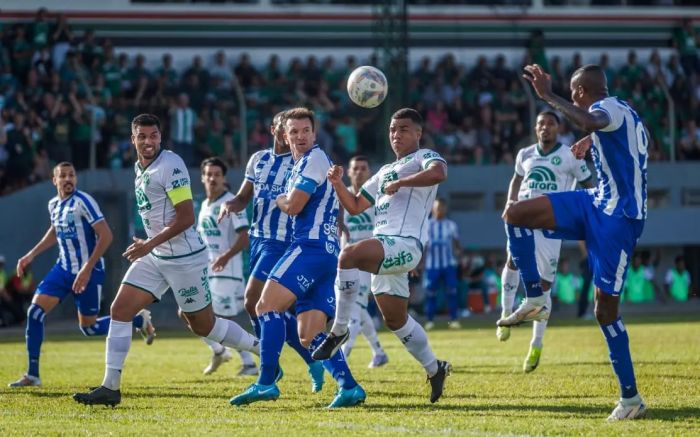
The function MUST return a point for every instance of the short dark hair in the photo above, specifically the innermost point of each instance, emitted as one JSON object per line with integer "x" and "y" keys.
{"x": 678, "y": 259}
{"x": 409, "y": 113}
{"x": 62, "y": 164}
{"x": 552, "y": 114}
{"x": 145, "y": 120}
{"x": 360, "y": 158}
{"x": 300, "y": 113}
{"x": 218, "y": 162}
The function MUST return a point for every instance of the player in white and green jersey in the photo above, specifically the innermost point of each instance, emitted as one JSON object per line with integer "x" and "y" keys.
{"x": 544, "y": 167}
{"x": 173, "y": 256}
{"x": 357, "y": 228}
{"x": 225, "y": 242}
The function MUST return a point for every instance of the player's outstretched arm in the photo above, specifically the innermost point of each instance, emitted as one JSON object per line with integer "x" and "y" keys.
{"x": 435, "y": 174}
{"x": 241, "y": 243}
{"x": 239, "y": 201}
{"x": 104, "y": 239}
{"x": 184, "y": 219}
{"x": 352, "y": 203}
{"x": 47, "y": 241}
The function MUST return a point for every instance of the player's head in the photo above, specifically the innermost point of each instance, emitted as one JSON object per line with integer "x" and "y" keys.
{"x": 439, "y": 208}
{"x": 588, "y": 85}
{"x": 213, "y": 176}
{"x": 636, "y": 260}
{"x": 563, "y": 265}
{"x": 277, "y": 127}
{"x": 405, "y": 131}
{"x": 145, "y": 135}
{"x": 547, "y": 128}
{"x": 64, "y": 178}
{"x": 299, "y": 130}
{"x": 358, "y": 170}
{"x": 679, "y": 262}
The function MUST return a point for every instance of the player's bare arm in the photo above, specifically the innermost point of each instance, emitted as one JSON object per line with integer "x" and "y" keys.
{"x": 352, "y": 203}
{"x": 513, "y": 189}
{"x": 240, "y": 244}
{"x": 239, "y": 201}
{"x": 293, "y": 203}
{"x": 104, "y": 239}
{"x": 48, "y": 240}
{"x": 435, "y": 173}
{"x": 184, "y": 219}
{"x": 542, "y": 84}
{"x": 580, "y": 147}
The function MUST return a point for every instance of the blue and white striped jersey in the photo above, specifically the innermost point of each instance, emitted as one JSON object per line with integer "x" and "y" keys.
{"x": 620, "y": 156}
{"x": 441, "y": 236}
{"x": 72, "y": 218}
{"x": 318, "y": 221}
{"x": 269, "y": 173}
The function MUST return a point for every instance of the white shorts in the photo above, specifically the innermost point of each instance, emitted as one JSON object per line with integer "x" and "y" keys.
{"x": 187, "y": 277}
{"x": 227, "y": 295}
{"x": 401, "y": 255}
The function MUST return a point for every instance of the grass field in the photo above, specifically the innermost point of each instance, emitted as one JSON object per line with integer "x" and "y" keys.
{"x": 571, "y": 393}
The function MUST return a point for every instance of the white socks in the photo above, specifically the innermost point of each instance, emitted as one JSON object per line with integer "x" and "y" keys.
{"x": 370, "y": 332}
{"x": 510, "y": 280}
{"x": 246, "y": 358}
{"x": 118, "y": 344}
{"x": 538, "y": 327}
{"x": 216, "y": 348}
{"x": 229, "y": 333}
{"x": 354, "y": 328}
{"x": 347, "y": 286}
{"x": 413, "y": 337}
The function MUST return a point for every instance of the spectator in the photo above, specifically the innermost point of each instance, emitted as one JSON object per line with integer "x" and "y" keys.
{"x": 637, "y": 287}
{"x": 677, "y": 281}
{"x": 182, "y": 124}
{"x": 686, "y": 43}
{"x": 567, "y": 285}
{"x": 62, "y": 38}
{"x": 17, "y": 296}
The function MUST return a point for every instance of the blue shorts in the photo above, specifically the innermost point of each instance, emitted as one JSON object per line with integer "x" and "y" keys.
{"x": 435, "y": 278}
{"x": 610, "y": 241}
{"x": 264, "y": 254}
{"x": 308, "y": 271}
{"x": 58, "y": 283}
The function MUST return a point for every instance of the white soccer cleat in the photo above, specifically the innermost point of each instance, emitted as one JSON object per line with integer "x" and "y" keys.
{"x": 147, "y": 330}
{"x": 248, "y": 370}
{"x": 628, "y": 409}
{"x": 454, "y": 324}
{"x": 26, "y": 381}
{"x": 503, "y": 333}
{"x": 217, "y": 360}
{"x": 532, "y": 309}
{"x": 429, "y": 325}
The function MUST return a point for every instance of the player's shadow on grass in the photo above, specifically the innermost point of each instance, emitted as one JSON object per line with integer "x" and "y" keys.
{"x": 673, "y": 414}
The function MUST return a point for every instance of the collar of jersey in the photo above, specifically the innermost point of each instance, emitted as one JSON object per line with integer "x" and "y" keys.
{"x": 67, "y": 198}
{"x": 554, "y": 149}
{"x": 308, "y": 152}
{"x": 149, "y": 164}
{"x": 217, "y": 199}
{"x": 272, "y": 151}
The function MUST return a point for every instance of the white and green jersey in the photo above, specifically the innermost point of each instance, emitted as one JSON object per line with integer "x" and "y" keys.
{"x": 220, "y": 237}
{"x": 163, "y": 183}
{"x": 405, "y": 213}
{"x": 361, "y": 226}
{"x": 542, "y": 173}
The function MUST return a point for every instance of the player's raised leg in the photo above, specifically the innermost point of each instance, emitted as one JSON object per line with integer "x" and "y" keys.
{"x": 510, "y": 280}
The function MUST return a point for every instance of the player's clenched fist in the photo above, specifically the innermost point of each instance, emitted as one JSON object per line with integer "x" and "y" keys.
{"x": 335, "y": 174}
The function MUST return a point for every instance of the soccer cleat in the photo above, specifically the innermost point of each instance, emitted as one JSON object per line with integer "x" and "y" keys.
{"x": 217, "y": 360}
{"x": 26, "y": 381}
{"x": 348, "y": 397}
{"x": 255, "y": 393}
{"x": 454, "y": 324}
{"x": 378, "y": 361}
{"x": 280, "y": 374}
{"x": 99, "y": 396}
{"x": 532, "y": 360}
{"x": 628, "y": 409}
{"x": 429, "y": 325}
{"x": 147, "y": 330}
{"x": 532, "y": 309}
{"x": 248, "y": 370}
{"x": 316, "y": 373}
{"x": 330, "y": 346}
{"x": 437, "y": 381}
{"x": 503, "y": 333}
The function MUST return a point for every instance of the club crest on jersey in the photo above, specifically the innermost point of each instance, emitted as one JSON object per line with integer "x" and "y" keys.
{"x": 556, "y": 160}
{"x": 331, "y": 248}
{"x": 541, "y": 178}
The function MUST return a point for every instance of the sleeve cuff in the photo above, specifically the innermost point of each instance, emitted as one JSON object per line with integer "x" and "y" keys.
{"x": 305, "y": 184}
{"x": 367, "y": 196}
{"x": 430, "y": 161}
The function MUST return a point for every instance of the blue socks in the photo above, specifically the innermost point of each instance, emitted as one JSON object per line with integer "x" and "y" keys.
{"x": 521, "y": 245}
{"x": 290, "y": 323}
{"x": 272, "y": 334}
{"x": 335, "y": 365}
{"x": 619, "y": 348}
{"x": 35, "y": 336}
{"x": 256, "y": 327}
{"x": 101, "y": 326}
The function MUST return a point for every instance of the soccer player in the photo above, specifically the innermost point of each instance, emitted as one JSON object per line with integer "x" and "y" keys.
{"x": 609, "y": 218}
{"x": 225, "y": 242}
{"x": 173, "y": 256}
{"x": 266, "y": 174}
{"x": 359, "y": 227}
{"x": 306, "y": 272}
{"x": 441, "y": 264}
{"x": 82, "y": 235}
{"x": 544, "y": 167}
{"x": 401, "y": 193}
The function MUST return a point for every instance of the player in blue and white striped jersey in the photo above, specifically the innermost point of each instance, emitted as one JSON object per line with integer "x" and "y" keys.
{"x": 610, "y": 218}
{"x": 82, "y": 235}
{"x": 266, "y": 176}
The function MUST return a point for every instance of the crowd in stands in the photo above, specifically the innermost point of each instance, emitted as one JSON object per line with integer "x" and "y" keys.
{"x": 62, "y": 90}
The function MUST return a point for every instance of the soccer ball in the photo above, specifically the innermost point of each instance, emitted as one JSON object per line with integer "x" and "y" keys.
{"x": 367, "y": 86}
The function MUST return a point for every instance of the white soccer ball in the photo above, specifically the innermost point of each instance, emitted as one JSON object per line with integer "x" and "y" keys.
{"x": 367, "y": 86}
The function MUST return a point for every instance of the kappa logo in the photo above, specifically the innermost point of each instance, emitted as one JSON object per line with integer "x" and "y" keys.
{"x": 177, "y": 171}
{"x": 406, "y": 339}
{"x": 541, "y": 178}
{"x": 189, "y": 300}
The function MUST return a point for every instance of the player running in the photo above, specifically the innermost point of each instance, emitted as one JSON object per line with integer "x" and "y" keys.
{"x": 83, "y": 236}
{"x": 173, "y": 256}
{"x": 266, "y": 174}
{"x": 401, "y": 193}
{"x": 359, "y": 227}
{"x": 305, "y": 273}
{"x": 609, "y": 218}
{"x": 544, "y": 167}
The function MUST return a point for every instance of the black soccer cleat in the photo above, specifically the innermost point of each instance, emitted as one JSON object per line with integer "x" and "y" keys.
{"x": 99, "y": 396}
{"x": 330, "y": 346}
{"x": 437, "y": 381}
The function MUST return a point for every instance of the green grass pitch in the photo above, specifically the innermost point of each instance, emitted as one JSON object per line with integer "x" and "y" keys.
{"x": 571, "y": 393}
